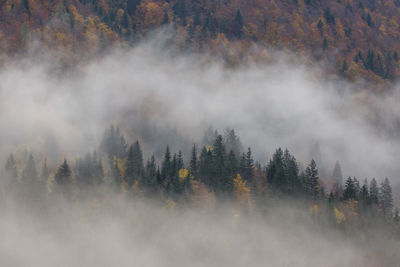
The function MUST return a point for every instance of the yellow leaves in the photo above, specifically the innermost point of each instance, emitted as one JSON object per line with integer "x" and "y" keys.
{"x": 250, "y": 30}
{"x": 241, "y": 189}
{"x": 121, "y": 165}
{"x": 183, "y": 174}
{"x": 149, "y": 14}
{"x": 79, "y": 21}
{"x": 170, "y": 204}
{"x": 349, "y": 209}
{"x": 339, "y": 216}
{"x": 120, "y": 13}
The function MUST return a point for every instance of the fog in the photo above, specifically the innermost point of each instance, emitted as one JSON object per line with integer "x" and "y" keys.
{"x": 160, "y": 96}
{"x": 121, "y": 232}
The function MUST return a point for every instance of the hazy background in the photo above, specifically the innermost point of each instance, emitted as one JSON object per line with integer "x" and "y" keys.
{"x": 163, "y": 97}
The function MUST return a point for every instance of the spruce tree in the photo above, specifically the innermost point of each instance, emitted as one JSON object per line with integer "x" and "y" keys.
{"x": 134, "y": 164}
{"x": 238, "y": 25}
{"x": 312, "y": 180}
{"x": 349, "y": 190}
{"x": 63, "y": 175}
{"x": 386, "y": 198}
{"x": 193, "y": 166}
{"x": 373, "y": 192}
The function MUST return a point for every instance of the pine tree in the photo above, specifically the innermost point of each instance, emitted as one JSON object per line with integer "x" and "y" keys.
{"x": 275, "y": 171}
{"x": 373, "y": 192}
{"x": 238, "y": 25}
{"x": 320, "y": 24}
{"x": 312, "y": 180}
{"x": 63, "y": 180}
{"x": 206, "y": 167}
{"x": 134, "y": 164}
{"x": 193, "y": 168}
{"x": 64, "y": 174}
{"x": 349, "y": 190}
{"x": 218, "y": 181}
{"x": 151, "y": 176}
{"x": 364, "y": 194}
{"x": 291, "y": 172}
{"x": 386, "y": 198}
{"x": 165, "y": 19}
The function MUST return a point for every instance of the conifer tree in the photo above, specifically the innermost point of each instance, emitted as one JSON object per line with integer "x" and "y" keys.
{"x": 64, "y": 174}
{"x": 238, "y": 25}
{"x": 386, "y": 198}
{"x": 373, "y": 192}
{"x": 134, "y": 164}
{"x": 312, "y": 180}
{"x": 193, "y": 168}
{"x": 349, "y": 190}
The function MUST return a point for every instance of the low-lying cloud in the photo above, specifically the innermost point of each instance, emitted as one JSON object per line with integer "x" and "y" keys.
{"x": 160, "y": 97}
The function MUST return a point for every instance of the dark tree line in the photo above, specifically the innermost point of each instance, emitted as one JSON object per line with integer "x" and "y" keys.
{"x": 220, "y": 165}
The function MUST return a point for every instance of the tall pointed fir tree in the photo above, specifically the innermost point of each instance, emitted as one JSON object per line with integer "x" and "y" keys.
{"x": 193, "y": 166}
{"x": 134, "y": 165}
{"x": 386, "y": 198}
{"x": 312, "y": 180}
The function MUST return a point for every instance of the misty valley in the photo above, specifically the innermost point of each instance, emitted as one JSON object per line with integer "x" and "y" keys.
{"x": 164, "y": 133}
{"x": 213, "y": 204}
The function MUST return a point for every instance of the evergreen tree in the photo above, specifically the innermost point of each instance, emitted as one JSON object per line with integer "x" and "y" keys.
{"x": 232, "y": 168}
{"x": 320, "y": 24}
{"x": 218, "y": 182}
{"x": 180, "y": 12}
{"x": 166, "y": 167}
{"x": 312, "y": 180}
{"x": 165, "y": 19}
{"x": 291, "y": 172}
{"x": 373, "y": 192}
{"x": 238, "y": 25}
{"x": 151, "y": 176}
{"x": 349, "y": 190}
{"x": 131, "y": 6}
{"x": 275, "y": 171}
{"x": 193, "y": 168}
{"x": 206, "y": 167}
{"x": 364, "y": 194}
{"x": 63, "y": 175}
{"x": 386, "y": 198}
{"x": 134, "y": 165}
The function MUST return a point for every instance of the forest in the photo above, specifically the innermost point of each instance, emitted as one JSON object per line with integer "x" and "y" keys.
{"x": 120, "y": 124}
{"x": 218, "y": 172}
{"x": 355, "y": 39}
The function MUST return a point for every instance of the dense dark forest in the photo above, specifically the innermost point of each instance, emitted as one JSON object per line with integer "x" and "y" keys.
{"x": 355, "y": 38}
{"x": 219, "y": 171}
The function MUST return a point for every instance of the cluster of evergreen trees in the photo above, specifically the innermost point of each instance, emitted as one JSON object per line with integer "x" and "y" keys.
{"x": 220, "y": 166}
